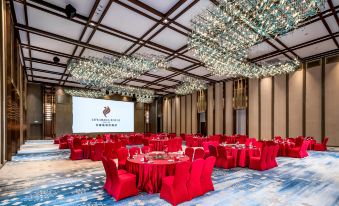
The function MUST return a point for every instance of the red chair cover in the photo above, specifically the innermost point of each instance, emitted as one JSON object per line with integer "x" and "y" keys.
{"x": 199, "y": 153}
{"x": 322, "y": 146}
{"x": 133, "y": 151}
{"x": 224, "y": 160}
{"x": 122, "y": 154}
{"x": 259, "y": 163}
{"x": 146, "y": 149}
{"x": 109, "y": 149}
{"x": 299, "y": 151}
{"x": 123, "y": 185}
{"x": 194, "y": 184}
{"x": 98, "y": 151}
{"x": 206, "y": 179}
{"x": 213, "y": 150}
{"x": 108, "y": 181}
{"x": 189, "y": 152}
{"x": 76, "y": 153}
{"x": 174, "y": 188}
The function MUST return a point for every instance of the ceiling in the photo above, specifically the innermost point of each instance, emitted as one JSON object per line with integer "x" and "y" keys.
{"x": 114, "y": 27}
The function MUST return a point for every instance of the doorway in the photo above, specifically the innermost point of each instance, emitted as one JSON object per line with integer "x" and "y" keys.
{"x": 241, "y": 121}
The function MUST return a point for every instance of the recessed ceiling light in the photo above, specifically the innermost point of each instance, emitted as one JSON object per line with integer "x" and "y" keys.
{"x": 165, "y": 21}
{"x": 92, "y": 24}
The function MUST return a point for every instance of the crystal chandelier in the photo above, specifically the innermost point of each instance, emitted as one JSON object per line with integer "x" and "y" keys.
{"x": 142, "y": 95}
{"x": 102, "y": 72}
{"x": 190, "y": 85}
{"x": 84, "y": 93}
{"x": 222, "y": 36}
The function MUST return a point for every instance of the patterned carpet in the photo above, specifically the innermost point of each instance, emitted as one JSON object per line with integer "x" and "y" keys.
{"x": 41, "y": 174}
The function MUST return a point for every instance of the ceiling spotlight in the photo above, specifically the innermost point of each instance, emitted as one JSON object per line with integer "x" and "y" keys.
{"x": 92, "y": 24}
{"x": 56, "y": 59}
{"x": 165, "y": 21}
{"x": 70, "y": 11}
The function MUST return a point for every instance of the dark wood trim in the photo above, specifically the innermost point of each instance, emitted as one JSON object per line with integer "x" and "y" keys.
{"x": 272, "y": 107}
{"x": 247, "y": 108}
{"x": 304, "y": 101}
{"x": 224, "y": 108}
{"x": 323, "y": 100}
{"x": 287, "y": 105}
{"x": 214, "y": 104}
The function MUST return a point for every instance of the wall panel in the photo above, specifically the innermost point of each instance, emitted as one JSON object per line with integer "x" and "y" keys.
{"x": 169, "y": 116}
{"x": 173, "y": 115}
{"x": 266, "y": 108}
{"x": 313, "y": 102}
{"x": 229, "y": 108}
{"x": 295, "y": 103}
{"x": 210, "y": 108}
{"x": 189, "y": 114}
{"x": 332, "y": 103}
{"x": 218, "y": 120}
{"x": 183, "y": 114}
{"x": 253, "y": 113}
{"x": 280, "y": 106}
{"x": 194, "y": 113}
{"x": 165, "y": 115}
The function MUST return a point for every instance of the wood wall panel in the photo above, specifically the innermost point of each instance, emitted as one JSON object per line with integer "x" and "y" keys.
{"x": 177, "y": 115}
{"x": 266, "y": 108}
{"x": 189, "y": 114}
{"x": 210, "y": 108}
{"x": 332, "y": 103}
{"x": 313, "y": 103}
{"x": 280, "y": 106}
{"x": 183, "y": 114}
{"x": 169, "y": 116}
{"x": 194, "y": 113}
{"x": 253, "y": 113}
{"x": 218, "y": 120}
{"x": 295, "y": 103}
{"x": 173, "y": 115}
{"x": 164, "y": 115}
{"x": 229, "y": 108}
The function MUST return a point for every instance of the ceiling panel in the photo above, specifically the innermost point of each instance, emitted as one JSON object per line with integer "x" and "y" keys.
{"x": 19, "y": 12}
{"x": 59, "y": 26}
{"x": 181, "y": 8}
{"x": 167, "y": 83}
{"x": 92, "y": 53}
{"x": 316, "y": 48}
{"x": 171, "y": 39}
{"x": 26, "y": 52}
{"x": 155, "y": 87}
{"x": 147, "y": 78}
{"x": 162, "y": 6}
{"x": 48, "y": 57}
{"x": 161, "y": 72}
{"x": 178, "y": 77}
{"x": 48, "y": 75}
{"x": 82, "y": 7}
{"x": 137, "y": 84}
{"x": 201, "y": 71}
{"x": 332, "y": 24}
{"x": 47, "y": 67}
{"x": 110, "y": 42}
{"x": 179, "y": 63}
{"x": 74, "y": 85}
{"x": 23, "y": 37}
{"x": 186, "y": 18}
{"x": 146, "y": 50}
{"x": 46, "y": 80}
{"x": 51, "y": 44}
{"x": 260, "y": 49}
{"x": 123, "y": 19}
{"x": 304, "y": 34}
{"x": 217, "y": 78}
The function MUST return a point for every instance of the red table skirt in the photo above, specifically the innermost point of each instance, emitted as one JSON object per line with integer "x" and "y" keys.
{"x": 284, "y": 148}
{"x": 158, "y": 145}
{"x": 149, "y": 176}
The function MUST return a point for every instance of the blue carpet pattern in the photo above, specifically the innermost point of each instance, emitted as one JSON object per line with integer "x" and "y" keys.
{"x": 310, "y": 181}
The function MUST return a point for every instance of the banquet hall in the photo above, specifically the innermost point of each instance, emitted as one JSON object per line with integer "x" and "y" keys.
{"x": 176, "y": 102}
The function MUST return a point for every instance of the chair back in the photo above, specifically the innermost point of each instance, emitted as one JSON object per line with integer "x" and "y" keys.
{"x": 122, "y": 154}
{"x": 222, "y": 152}
{"x": 189, "y": 152}
{"x": 194, "y": 185}
{"x": 146, "y": 149}
{"x": 324, "y": 143}
{"x": 133, "y": 151}
{"x": 199, "y": 154}
{"x": 182, "y": 171}
{"x": 99, "y": 148}
{"x": 113, "y": 170}
{"x": 208, "y": 167}
{"x": 105, "y": 163}
{"x": 109, "y": 149}
{"x": 213, "y": 150}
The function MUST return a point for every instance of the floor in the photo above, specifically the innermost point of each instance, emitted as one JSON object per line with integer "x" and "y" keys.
{"x": 40, "y": 174}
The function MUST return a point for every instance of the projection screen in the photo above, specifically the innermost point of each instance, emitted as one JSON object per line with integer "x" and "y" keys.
{"x": 98, "y": 115}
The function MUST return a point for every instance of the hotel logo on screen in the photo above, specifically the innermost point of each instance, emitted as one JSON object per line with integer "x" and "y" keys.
{"x": 106, "y": 110}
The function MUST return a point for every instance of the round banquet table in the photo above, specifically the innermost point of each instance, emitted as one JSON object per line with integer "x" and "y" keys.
{"x": 158, "y": 144}
{"x": 149, "y": 175}
{"x": 242, "y": 155}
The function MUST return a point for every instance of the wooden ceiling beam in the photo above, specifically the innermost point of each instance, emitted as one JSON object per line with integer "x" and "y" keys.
{"x": 329, "y": 30}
